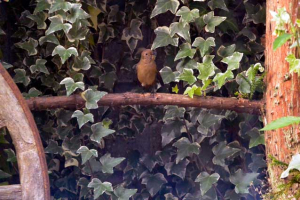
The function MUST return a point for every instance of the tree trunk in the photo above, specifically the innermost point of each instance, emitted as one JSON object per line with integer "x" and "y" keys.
{"x": 282, "y": 95}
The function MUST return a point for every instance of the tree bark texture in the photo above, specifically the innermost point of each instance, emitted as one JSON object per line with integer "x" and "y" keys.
{"x": 17, "y": 118}
{"x": 282, "y": 96}
{"x": 122, "y": 99}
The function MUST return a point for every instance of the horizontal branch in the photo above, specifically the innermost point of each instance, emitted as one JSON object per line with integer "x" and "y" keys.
{"x": 122, "y": 99}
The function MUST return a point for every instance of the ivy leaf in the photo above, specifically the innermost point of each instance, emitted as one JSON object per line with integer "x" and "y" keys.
{"x": 294, "y": 63}
{"x": 60, "y": 5}
{"x": 242, "y": 181}
{"x": 99, "y": 132}
{"x": 123, "y": 193}
{"x": 204, "y": 45}
{"x": 21, "y": 77}
{"x": 39, "y": 19}
{"x": 226, "y": 51}
{"x": 71, "y": 86}
{"x": 163, "y": 38}
{"x": 11, "y": 156}
{"x": 181, "y": 29}
{"x": 163, "y": 6}
{"x": 258, "y": 162}
{"x": 188, "y": 76}
{"x": 48, "y": 38}
{"x": 187, "y": 15}
{"x": 77, "y": 32}
{"x": 212, "y": 21}
{"x": 29, "y": 46}
{"x": 83, "y": 62}
{"x": 94, "y": 12}
{"x": 39, "y": 66}
{"x": 108, "y": 163}
{"x": 175, "y": 89}
{"x": 207, "y": 181}
{"x": 185, "y": 51}
{"x": 6, "y": 65}
{"x": 170, "y": 196}
{"x": 191, "y": 91}
{"x": 63, "y": 53}
{"x": 185, "y": 148}
{"x": 220, "y": 78}
{"x": 167, "y": 75}
{"x": 115, "y": 15}
{"x": 41, "y": 6}
{"x": 106, "y": 32}
{"x": 221, "y": 152}
{"x": 57, "y": 24}
{"x": 99, "y": 187}
{"x": 154, "y": 182}
{"x": 294, "y": 164}
{"x": 186, "y": 63}
{"x": 4, "y": 175}
{"x": 91, "y": 98}
{"x": 53, "y": 148}
{"x": 213, "y": 4}
{"x": 233, "y": 61}
{"x": 86, "y": 153}
{"x": 256, "y": 138}
{"x": 76, "y": 13}
{"x": 207, "y": 68}
{"x": 177, "y": 169}
{"x": 83, "y": 118}
{"x": 281, "y": 122}
{"x": 33, "y": 92}
{"x": 170, "y": 131}
{"x": 132, "y": 34}
{"x": 173, "y": 112}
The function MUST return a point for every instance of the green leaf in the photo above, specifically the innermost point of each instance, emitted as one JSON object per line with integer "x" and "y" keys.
{"x": 83, "y": 118}
{"x": 99, "y": 132}
{"x": 11, "y": 156}
{"x": 33, "y": 92}
{"x": 191, "y": 91}
{"x": 71, "y": 86}
{"x": 154, "y": 182}
{"x": 207, "y": 68}
{"x": 220, "y": 78}
{"x": 226, "y": 51}
{"x": 63, "y": 53}
{"x": 133, "y": 32}
{"x": 188, "y": 76}
{"x": 163, "y": 6}
{"x": 106, "y": 32}
{"x": 29, "y": 46}
{"x": 173, "y": 112}
{"x": 222, "y": 152}
{"x": 281, "y": 40}
{"x": 123, "y": 193}
{"x": 256, "y": 137}
{"x": 21, "y": 77}
{"x": 177, "y": 169}
{"x": 41, "y": 5}
{"x": 163, "y": 38}
{"x": 76, "y": 13}
{"x": 39, "y": 66}
{"x": 170, "y": 196}
{"x": 60, "y": 5}
{"x": 212, "y": 21}
{"x": 171, "y": 130}
{"x": 175, "y": 89}
{"x": 94, "y": 12}
{"x": 294, "y": 164}
{"x": 6, "y": 65}
{"x": 185, "y": 51}
{"x": 57, "y": 24}
{"x": 92, "y": 97}
{"x": 294, "y": 63}
{"x": 108, "y": 163}
{"x": 83, "y": 62}
{"x": 4, "y": 175}
{"x": 185, "y": 148}
{"x": 213, "y": 4}
{"x": 242, "y": 181}
{"x": 78, "y": 32}
{"x": 187, "y": 15}
{"x": 204, "y": 45}
{"x": 233, "y": 61}
{"x": 48, "y": 38}
{"x": 181, "y": 29}
{"x": 99, "y": 187}
{"x": 281, "y": 122}
{"x": 167, "y": 75}
{"x": 207, "y": 181}
{"x": 86, "y": 153}
{"x": 115, "y": 15}
{"x": 39, "y": 19}
{"x": 53, "y": 148}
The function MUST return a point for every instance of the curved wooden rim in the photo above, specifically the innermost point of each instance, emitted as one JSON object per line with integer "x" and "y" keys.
{"x": 38, "y": 142}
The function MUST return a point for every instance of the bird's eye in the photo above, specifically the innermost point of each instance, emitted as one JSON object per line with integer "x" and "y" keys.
{"x": 146, "y": 54}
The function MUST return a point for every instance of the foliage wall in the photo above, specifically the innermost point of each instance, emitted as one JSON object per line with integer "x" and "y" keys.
{"x": 90, "y": 47}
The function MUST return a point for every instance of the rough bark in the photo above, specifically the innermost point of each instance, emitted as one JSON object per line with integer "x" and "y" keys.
{"x": 282, "y": 96}
{"x": 17, "y": 118}
{"x": 76, "y": 102}
{"x": 11, "y": 192}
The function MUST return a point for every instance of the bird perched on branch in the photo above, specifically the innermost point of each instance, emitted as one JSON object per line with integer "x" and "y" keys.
{"x": 146, "y": 69}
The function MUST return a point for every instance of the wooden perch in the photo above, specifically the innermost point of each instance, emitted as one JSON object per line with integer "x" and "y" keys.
{"x": 122, "y": 99}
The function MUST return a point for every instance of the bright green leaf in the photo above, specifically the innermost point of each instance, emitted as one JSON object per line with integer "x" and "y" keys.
{"x": 281, "y": 40}
{"x": 191, "y": 91}
{"x": 207, "y": 68}
{"x": 71, "y": 86}
{"x": 204, "y": 45}
{"x": 212, "y": 21}
{"x": 167, "y": 75}
{"x": 233, "y": 61}
{"x": 83, "y": 118}
{"x": 181, "y": 29}
{"x": 185, "y": 51}
{"x": 281, "y": 122}
{"x": 188, "y": 76}
{"x": 187, "y": 15}
{"x": 163, "y": 38}
{"x": 163, "y": 6}
{"x": 220, "y": 78}
{"x": 91, "y": 98}
{"x": 63, "y": 53}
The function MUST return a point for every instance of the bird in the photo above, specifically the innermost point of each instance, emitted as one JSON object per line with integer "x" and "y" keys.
{"x": 147, "y": 70}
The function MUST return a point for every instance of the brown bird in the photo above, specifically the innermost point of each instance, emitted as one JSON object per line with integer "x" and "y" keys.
{"x": 146, "y": 69}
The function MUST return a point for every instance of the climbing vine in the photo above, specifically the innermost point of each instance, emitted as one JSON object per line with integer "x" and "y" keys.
{"x": 214, "y": 47}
